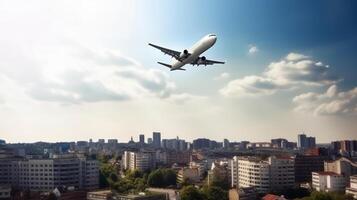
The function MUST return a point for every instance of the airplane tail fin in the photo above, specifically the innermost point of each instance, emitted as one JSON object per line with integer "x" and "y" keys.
{"x": 164, "y": 64}
{"x": 169, "y": 66}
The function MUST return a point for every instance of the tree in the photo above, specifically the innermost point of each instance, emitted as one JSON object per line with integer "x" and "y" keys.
{"x": 190, "y": 193}
{"x": 213, "y": 193}
{"x": 169, "y": 176}
{"x": 156, "y": 179}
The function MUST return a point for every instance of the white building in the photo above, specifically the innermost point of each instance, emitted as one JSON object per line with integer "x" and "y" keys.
{"x": 352, "y": 190}
{"x": 263, "y": 174}
{"x": 142, "y": 160}
{"x": 328, "y": 181}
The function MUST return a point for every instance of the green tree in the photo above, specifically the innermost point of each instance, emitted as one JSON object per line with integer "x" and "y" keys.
{"x": 213, "y": 193}
{"x": 156, "y": 179}
{"x": 169, "y": 176}
{"x": 190, "y": 193}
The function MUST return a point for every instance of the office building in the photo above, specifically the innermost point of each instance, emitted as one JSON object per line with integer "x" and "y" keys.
{"x": 142, "y": 139}
{"x": 69, "y": 170}
{"x": 156, "y": 139}
{"x": 305, "y": 165}
{"x": 305, "y": 142}
{"x": 265, "y": 175}
{"x": 201, "y": 143}
{"x": 150, "y": 141}
{"x": 226, "y": 143}
{"x": 328, "y": 182}
{"x": 345, "y": 146}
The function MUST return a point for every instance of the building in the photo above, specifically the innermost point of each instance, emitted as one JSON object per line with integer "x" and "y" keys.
{"x": 305, "y": 165}
{"x": 352, "y": 190}
{"x": 142, "y": 139}
{"x": 149, "y": 140}
{"x": 306, "y": 142}
{"x": 5, "y": 192}
{"x": 191, "y": 175}
{"x": 273, "y": 173}
{"x": 342, "y": 166}
{"x": 2, "y": 142}
{"x": 179, "y": 157}
{"x": 283, "y": 143}
{"x": 328, "y": 182}
{"x": 226, "y": 143}
{"x": 345, "y": 146}
{"x": 156, "y": 139}
{"x": 141, "y": 160}
{"x": 112, "y": 141}
{"x": 248, "y": 193}
{"x": 201, "y": 143}
{"x": 67, "y": 170}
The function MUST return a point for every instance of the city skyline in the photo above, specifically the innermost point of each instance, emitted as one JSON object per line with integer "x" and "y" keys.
{"x": 71, "y": 71}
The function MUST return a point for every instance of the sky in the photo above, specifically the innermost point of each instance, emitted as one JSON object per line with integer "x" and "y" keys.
{"x": 75, "y": 70}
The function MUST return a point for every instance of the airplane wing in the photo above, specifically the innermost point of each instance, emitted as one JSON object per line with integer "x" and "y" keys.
{"x": 173, "y": 53}
{"x": 200, "y": 61}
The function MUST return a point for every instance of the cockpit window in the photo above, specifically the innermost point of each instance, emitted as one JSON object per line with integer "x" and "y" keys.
{"x": 210, "y": 35}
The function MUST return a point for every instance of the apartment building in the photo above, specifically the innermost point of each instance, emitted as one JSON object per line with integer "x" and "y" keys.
{"x": 263, "y": 174}
{"x": 141, "y": 160}
{"x": 328, "y": 181}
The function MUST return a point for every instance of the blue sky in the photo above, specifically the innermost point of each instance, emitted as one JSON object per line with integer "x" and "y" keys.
{"x": 79, "y": 70}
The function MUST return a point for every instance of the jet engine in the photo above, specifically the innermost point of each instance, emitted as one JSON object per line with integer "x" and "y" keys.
{"x": 184, "y": 54}
{"x": 201, "y": 60}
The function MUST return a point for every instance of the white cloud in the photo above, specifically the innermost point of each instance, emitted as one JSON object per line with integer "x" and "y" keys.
{"x": 183, "y": 98}
{"x": 332, "y": 102}
{"x": 222, "y": 76}
{"x": 253, "y": 49}
{"x": 295, "y": 70}
{"x": 75, "y": 74}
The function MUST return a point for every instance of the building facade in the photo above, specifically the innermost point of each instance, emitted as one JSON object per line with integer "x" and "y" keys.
{"x": 328, "y": 182}
{"x": 142, "y": 160}
{"x": 263, "y": 174}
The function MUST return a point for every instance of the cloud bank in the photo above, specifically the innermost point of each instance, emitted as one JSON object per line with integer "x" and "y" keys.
{"x": 294, "y": 70}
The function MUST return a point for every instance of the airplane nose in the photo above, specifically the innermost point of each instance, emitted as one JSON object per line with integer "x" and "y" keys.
{"x": 214, "y": 38}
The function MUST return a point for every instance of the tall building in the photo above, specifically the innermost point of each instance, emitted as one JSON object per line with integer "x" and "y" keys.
{"x": 142, "y": 160}
{"x": 226, "y": 143}
{"x": 156, "y": 139}
{"x": 150, "y": 141}
{"x": 142, "y": 139}
{"x": 305, "y": 165}
{"x": 201, "y": 143}
{"x": 265, "y": 175}
{"x": 69, "y": 170}
{"x": 305, "y": 142}
{"x": 345, "y": 146}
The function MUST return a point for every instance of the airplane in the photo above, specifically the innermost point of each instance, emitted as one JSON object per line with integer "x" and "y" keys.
{"x": 191, "y": 56}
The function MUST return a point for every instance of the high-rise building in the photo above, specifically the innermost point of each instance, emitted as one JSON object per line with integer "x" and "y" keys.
{"x": 226, "y": 143}
{"x": 156, "y": 139}
{"x": 345, "y": 146}
{"x": 112, "y": 141}
{"x": 149, "y": 140}
{"x": 142, "y": 139}
{"x": 201, "y": 143}
{"x": 265, "y": 175}
{"x": 305, "y": 142}
{"x": 306, "y": 164}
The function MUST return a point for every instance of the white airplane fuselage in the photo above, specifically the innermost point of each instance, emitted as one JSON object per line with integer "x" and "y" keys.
{"x": 195, "y": 51}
